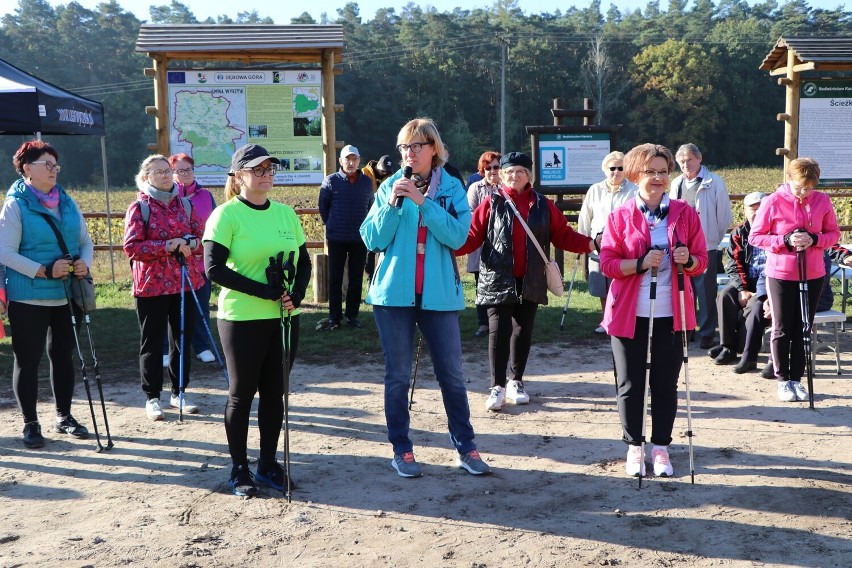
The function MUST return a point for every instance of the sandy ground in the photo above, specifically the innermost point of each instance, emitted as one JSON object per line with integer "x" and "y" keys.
{"x": 773, "y": 481}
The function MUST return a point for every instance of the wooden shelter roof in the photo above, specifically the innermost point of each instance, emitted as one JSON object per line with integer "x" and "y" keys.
{"x": 810, "y": 53}
{"x": 303, "y": 43}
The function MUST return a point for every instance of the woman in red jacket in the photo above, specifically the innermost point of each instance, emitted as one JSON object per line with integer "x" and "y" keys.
{"x": 649, "y": 233}
{"x": 795, "y": 219}
{"x": 152, "y": 246}
{"x": 512, "y": 281}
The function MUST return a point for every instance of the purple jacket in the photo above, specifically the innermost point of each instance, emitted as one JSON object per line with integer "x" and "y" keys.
{"x": 780, "y": 214}
{"x": 627, "y": 238}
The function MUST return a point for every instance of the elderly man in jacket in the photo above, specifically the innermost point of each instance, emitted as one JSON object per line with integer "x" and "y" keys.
{"x": 707, "y": 194}
{"x": 344, "y": 200}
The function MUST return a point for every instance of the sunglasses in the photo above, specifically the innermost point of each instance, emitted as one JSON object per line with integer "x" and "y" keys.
{"x": 619, "y": 168}
{"x": 491, "y": 168}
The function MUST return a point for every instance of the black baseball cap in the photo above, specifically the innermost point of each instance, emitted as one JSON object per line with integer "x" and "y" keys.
{"x": 249, "y": 156}
{"x": 385, "y": 164}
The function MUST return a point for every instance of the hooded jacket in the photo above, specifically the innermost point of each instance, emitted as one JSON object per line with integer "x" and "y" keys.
{"x": 627, "y": 238}
{"x": 782, "y": 213}
{"x": 155, "y": 271}
{"x": 393, "y": 232}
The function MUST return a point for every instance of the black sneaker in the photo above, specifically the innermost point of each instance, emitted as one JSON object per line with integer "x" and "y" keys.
{"x": 706, "y": 342}
{"x": 273, "y": 476}
{"x": 242, "y": 482}
{"x": 714, "y": 351}
{"x": 745, "y": 366}
{"x": 768, "y": 371}
{"x": 70, "y": 426}
{"x": 354, "y": 323}
{"x": 32, "y": 435}
{"x": 725, "y": 357}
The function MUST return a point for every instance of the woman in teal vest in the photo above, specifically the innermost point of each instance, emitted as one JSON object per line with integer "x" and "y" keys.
{"x": 37, "y": 273}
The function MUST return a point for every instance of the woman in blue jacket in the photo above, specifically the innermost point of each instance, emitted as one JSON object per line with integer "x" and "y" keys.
{"x": 420, "y": 216}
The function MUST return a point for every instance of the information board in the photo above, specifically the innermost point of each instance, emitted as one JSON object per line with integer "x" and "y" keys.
{"x": 214, "y": 112}
{"x": 571, "y": 159}
{"x": 825, "y": 121}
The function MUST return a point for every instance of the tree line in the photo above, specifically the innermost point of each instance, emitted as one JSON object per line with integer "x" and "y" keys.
{"x": 674, "y": 75}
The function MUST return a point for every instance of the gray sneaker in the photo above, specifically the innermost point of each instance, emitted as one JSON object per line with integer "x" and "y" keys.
{"x": 405, "y": 465}
{"x": 472, "y": 463}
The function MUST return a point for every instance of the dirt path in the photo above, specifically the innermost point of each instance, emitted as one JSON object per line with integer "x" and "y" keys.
{"x": 773, "y": 483}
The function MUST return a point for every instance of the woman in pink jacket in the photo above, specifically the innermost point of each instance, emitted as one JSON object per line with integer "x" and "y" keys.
{"x": 795, "y": 219}
{"x": 649, "y": 233}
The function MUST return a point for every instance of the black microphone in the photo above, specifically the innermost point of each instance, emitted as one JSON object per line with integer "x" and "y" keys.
{"x": 406, "y": 173}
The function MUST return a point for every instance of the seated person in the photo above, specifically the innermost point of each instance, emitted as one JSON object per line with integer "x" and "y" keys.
{"x": 740, "y": 308}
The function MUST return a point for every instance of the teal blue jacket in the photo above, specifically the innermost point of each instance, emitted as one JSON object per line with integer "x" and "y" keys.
{"x": 393, "y": 232}
{"x": 38, "y": 243}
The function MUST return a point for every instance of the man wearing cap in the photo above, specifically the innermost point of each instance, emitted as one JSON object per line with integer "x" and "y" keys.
{"x": 740, "y": 304}
{"x": 378, "y": 170}
{"x": 344, "y": 200}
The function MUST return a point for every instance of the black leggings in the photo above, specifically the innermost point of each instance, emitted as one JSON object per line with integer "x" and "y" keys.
{"x": 154, "y": 313}
{"x": 31, "y": 326}
{"x": 509, "y": 340}
{"x": 253, "y": 353}
{"x": 630, "y": 356}
{"x": 787, "y": 345}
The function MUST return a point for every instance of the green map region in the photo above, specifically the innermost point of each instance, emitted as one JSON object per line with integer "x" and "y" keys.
{"x": 201, "y": 119}
{"x": 303, "y": 104}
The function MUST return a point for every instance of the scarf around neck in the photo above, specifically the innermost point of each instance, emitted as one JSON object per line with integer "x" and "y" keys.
{"x": 50, "y": 200}
{"x": 159, "y": 195}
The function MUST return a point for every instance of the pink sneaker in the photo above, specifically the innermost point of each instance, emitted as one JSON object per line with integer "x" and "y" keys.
{"x": 662, "y": 465}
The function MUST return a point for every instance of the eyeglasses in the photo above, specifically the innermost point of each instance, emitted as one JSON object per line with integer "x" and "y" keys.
{"x": 491, "y": 168}
{"x": 184, "y": 172}
{"x": 619, "y": 168}
{"x": 796, "y": 187}
{"x": 161, "y": 173}
{"x": 656, "y": 173}
{"x": 414, "y": 147}
{"x": 516, "y": 171}
{"x": 51, "y": 166}
{"x": 260, "y": 171}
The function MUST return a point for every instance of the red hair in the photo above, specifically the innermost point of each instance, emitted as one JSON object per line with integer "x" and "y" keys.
{"x": 31, "y": 151}
{"x": 175, "y": 158}
{"x": 485, "y": 159}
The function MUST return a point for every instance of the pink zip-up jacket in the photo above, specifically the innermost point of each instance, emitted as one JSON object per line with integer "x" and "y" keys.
{"x": 782, "y": 213}
{"x": 627, "y": 238}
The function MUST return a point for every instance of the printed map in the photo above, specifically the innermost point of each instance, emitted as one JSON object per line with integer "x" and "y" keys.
{"x": 213, "y": 122}
{"x": 306, "y": 102}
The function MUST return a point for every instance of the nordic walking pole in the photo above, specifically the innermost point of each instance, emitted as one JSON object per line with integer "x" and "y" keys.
{"x": 95, "y": 365}
{"x": 183, "y": 278}
{"x": 288, "y": 274}
{"x": 806, "y": 323}
{"x": 202, "y": 315}
{"x": 653, "y": 297}
{"x": 67, "y": 286}
{"x": 568, "y": 296}
{"x": 680, "y": 285}
{"x": 416, "y": 364}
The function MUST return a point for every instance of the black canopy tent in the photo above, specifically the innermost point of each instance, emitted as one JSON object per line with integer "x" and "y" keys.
{"x": 29, "y": 105}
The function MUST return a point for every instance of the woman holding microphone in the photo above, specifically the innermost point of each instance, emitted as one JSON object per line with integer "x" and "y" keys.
{"x": 646, "y": 239}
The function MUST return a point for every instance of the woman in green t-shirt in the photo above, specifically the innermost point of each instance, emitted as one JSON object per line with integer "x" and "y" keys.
{"x": 240, "y": 237}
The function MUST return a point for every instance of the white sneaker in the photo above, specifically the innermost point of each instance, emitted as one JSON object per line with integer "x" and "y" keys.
{"x": 188, "y": 407}
{"x": 515, "y": 393}
{"x": 785, "y": 392}
{"x": 495, "y": 398}
{"x": 153, "y": 410}
{"x": 206, "y": 356}
{"x": 600, "y": 329}
{"x": 165, "y": 360}
{"x": 635, "y": 465}
{"x": 662, "y": 465}
{"x": 799, "y": 390}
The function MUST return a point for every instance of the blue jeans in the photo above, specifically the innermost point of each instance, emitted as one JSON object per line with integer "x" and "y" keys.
{"x": 441, "y": 332}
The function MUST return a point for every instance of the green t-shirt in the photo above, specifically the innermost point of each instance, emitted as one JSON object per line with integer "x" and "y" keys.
{"x": 252, "y": 236}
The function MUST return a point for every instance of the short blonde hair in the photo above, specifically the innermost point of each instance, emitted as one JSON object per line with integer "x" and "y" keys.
{"x": 611, "y": 157}
{"x": 425, "y": 128}
{"x": 146, "y": 168}
{"x": 637, "y": 159}
{"x": 804, "y": 171}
